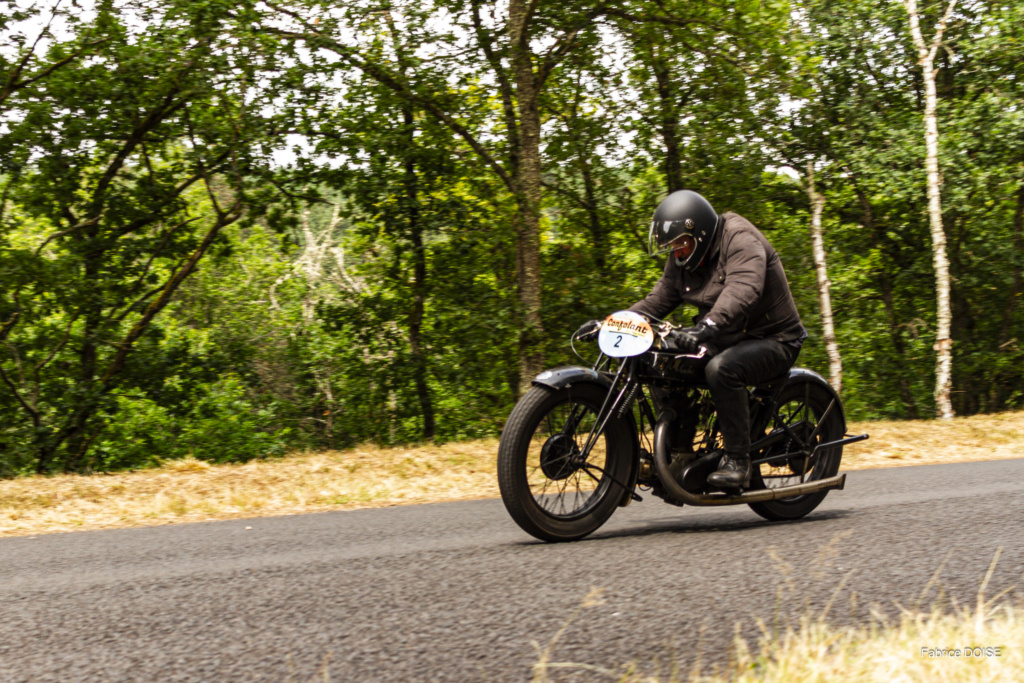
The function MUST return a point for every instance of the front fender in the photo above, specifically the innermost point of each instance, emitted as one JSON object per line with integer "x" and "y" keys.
{"x": 569, "y": 375}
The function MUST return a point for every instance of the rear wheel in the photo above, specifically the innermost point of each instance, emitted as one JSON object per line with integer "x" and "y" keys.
{"x": 801, "y": 408}
{"x": 549, "y": 490}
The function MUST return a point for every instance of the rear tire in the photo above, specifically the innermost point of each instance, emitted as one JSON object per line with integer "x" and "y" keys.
{"x": 545, "y": 488}
{"x": 801, "y": 407}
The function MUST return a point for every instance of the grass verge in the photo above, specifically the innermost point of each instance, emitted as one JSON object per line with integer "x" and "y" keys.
{"x": 958, "y": 644}
{"x": 954, "y": 647}
{"x": 190, "y": 490}
{"x": 935, "y": 646}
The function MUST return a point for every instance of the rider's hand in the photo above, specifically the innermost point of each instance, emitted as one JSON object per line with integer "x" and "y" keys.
{"x": 681, "y": 341}
{"x": 588, "y": 330}
{"x": 690, "y": 339}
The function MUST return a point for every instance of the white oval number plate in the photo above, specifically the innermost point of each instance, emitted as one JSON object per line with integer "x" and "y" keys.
{"x": 625, "y": 333}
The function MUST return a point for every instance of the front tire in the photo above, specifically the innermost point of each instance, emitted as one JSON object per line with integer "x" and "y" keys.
{"x": 801, "y": 408}
{"x": 549, "y": 492}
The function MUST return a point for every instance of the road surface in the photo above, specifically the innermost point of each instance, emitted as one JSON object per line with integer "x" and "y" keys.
{"x": 456, "y": 592}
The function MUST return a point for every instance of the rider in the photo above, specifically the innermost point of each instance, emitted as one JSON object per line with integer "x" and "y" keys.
{"x": 725, "y": 267}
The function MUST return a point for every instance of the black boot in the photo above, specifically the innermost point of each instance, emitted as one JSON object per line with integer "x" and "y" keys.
{"x": 732, "y": 473}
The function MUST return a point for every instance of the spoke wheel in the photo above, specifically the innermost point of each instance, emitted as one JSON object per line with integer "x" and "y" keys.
{"x": 546, "y": 485}
{"x": 801, "y": 409}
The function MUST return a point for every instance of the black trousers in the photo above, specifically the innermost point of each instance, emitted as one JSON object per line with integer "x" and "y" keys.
{"x": 729, "y": 373}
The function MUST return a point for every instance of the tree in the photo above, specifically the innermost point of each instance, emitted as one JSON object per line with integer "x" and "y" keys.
{"x": 857, "y": 101}
{"x": 694, "y": 70}
{"x": 401, "y": 179}
{"x": 106, "y": 219}
{"x": 944, "y": 342}
{"x": 25, "y": 68}
{"x": 509, "y": 46}
{"x": 817, "y": 204}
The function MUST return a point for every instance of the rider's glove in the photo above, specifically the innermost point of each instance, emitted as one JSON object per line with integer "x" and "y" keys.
{"x": 690, "y": 339}
{"x": 588, "y": 330}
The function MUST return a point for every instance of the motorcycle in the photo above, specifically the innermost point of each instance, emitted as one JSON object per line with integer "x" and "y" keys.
{"x": 582, "y": 441}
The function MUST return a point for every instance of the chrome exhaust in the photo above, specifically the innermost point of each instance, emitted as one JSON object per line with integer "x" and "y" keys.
{"x": 680, "y": 495}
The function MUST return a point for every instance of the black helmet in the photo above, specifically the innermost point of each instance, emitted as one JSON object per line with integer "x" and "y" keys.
{"x": 684, "y": 224}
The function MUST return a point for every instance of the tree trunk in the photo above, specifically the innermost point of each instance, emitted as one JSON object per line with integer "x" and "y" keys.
{"x": 944, "y": 316}
{"x": 527, "y": 189}
{"x": 835, "y": 362}
{"x": 943, "y": 341}
{"x": 73, "y": 436}
{"x": 598, "y": 247}
{"x": 419, "y": 258}
{"x": 1013, "y": 301}
{"x": 419, "y": 286}
{"x": 668, "y": 120}
{"x": 669, "y": 130}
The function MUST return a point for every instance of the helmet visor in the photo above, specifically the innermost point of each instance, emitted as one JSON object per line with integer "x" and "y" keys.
{"x": 666, "y": 236}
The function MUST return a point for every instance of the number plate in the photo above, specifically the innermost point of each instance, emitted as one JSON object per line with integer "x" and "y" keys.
{"x": 625, "y": 333}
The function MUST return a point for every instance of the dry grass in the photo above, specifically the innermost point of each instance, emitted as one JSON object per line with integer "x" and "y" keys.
{"x": 983, "y": 642}
{"x": 927, "y": 442}
{"x": 877, "y": 653}
{"x": 893, "y": 653}
{"x": 959, "y": 644}
{"x": 919, "y": 646}
{"x": 189, "y": 490}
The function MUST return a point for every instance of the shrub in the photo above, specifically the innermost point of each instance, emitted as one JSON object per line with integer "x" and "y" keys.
{"x": 223, "y": 424}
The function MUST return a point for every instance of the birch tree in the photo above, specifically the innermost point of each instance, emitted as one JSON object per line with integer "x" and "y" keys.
{"x": 817, "y": 203}
{"x": 944, "y": 316}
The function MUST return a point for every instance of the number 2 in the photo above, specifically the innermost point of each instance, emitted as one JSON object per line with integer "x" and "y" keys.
{"x": 617, "y": 341}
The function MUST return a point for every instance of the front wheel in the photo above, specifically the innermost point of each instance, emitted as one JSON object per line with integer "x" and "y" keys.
{"x": 801, "y": 408}
{"x": 547, "y": 488}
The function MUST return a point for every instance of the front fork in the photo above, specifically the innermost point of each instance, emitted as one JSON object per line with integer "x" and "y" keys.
{"x": 620, "y": 404}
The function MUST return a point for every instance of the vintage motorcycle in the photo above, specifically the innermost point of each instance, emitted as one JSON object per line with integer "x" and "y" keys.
{"x": 583, "y": 440}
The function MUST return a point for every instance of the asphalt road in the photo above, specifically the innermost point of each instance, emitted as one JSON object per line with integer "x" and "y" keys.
{"x": 456, "y": 592}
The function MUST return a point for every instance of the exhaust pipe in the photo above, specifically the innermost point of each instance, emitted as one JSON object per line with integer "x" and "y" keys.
{"x": 680, "y": 495}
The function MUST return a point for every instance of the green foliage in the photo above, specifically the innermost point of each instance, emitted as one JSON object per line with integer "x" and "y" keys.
{"x": 168, "y": 289}
{"x": 221, "y": 424}
{"x": 122, "y": 166}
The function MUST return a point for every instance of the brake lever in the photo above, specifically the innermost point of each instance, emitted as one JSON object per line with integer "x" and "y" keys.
{"x": 696, "y": 356}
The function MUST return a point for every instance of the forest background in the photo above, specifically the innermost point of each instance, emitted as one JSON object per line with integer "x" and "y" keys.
{"x": 234, "y": 229}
